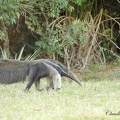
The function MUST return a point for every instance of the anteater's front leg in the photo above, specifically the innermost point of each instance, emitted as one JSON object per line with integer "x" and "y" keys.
{"x": 57, "y": 82}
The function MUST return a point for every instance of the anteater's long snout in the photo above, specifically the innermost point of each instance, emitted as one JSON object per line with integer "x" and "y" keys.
{"x": 74, "y": 77}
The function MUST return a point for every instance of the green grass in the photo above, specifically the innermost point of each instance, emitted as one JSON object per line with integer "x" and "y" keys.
{"x": 88, "y": 102}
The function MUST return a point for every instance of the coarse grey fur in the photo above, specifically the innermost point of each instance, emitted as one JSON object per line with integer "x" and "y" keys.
{"x": 62, "y": 70}
{"x": 13, "y": 71}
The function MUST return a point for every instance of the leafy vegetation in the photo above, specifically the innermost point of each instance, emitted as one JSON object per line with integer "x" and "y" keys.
{"x": 85, "y": 27}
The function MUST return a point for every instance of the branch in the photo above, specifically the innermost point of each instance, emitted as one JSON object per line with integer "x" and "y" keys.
{"x": 94, "y": 36}
{"x": 118, "y": 1}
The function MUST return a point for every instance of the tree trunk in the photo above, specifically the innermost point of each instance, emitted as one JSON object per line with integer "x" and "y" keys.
{"x": 5, "y": 37}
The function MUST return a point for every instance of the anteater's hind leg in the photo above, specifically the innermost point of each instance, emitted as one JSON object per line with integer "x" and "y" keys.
{"x": 37, "y": 85}
{"x": 33, "y": 76}
{"x": 31, "y": 82}
{"x": 49, "y": 83}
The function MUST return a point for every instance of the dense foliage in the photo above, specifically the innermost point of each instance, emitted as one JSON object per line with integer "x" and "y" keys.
{"x": 79, "y": 31}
